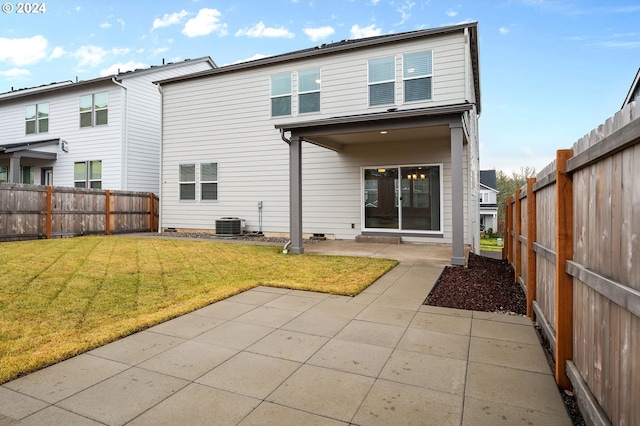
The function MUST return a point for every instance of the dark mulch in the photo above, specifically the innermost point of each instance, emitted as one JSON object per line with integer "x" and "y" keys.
{"x": 484, "y": 285}
{"x": 488, "y": 285}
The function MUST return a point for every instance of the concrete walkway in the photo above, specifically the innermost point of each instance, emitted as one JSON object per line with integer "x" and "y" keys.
{"x": 280, "y": 357}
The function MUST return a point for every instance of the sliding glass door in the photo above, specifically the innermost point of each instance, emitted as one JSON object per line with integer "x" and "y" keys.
{"x": 404, "y": 198}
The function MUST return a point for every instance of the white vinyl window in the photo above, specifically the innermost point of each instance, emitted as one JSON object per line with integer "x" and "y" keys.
{"x": 187, "y": 182}
{"x": 209, "y": 181}
{"x": 281, "y": 95}
{"x": 417, "y": 74}
{"x": 382, "y": 81}
{"x": 309, "y": 91}
{"x": 94, "y": 109}
{"x": 87, "y": 174}
{"x": 36, "y": 118}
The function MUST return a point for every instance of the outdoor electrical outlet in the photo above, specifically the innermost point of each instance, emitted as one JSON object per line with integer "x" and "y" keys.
{"x": 353, "y": 226}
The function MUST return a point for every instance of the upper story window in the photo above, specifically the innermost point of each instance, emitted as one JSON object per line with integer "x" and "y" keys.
{"x": 309, "y": 91}
{"x": 94, "y": 109}
{"x": 417, "y": 73}
{"x": 382, "y": 81}
{"x": 280, "y": 95}
{"x": 36, "y": 118}
{"x": 87, "y": 174}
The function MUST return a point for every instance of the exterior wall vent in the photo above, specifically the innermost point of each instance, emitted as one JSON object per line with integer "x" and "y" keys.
{"x": 229, "y": 227}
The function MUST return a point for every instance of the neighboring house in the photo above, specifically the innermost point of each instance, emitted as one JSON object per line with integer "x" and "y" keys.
{"x": 634, "y": 91}
{"x": 99, "y": 133}
{"x": 369, "y": 137}
{"x": 488, "y": 200}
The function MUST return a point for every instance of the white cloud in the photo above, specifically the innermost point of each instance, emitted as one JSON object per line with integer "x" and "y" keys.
{"x": 105, "y": 25}
{"x": 160, "y": 50}
{"x": 169, "y": 19}
{"x": 121, "y": 22}
{"x": 57, "y": 53}
{"x": 370, "y": 31}
{"x": 92, "y": 56}
{"x": 205, "y": 22}
{"x": 122, "y": 67}
{"x": 404, "y": 11}
{"x": 504, "y": 30}
{"x": 23, "y": 51}
{"x": 319, "y": 33}
{"x": 451, "y": 13}
{"x": 260, "y": 30}
{"x": 15, "y": 73}
{"x": 252, "y": 58}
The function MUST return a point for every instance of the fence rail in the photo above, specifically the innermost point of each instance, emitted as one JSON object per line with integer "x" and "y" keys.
{"x": 581, "y": 265}
{"x": 34, "y": 212}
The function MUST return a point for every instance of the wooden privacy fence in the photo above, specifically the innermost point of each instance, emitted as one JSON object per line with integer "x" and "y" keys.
{"x": 573, "y": 238}
{"x": 31, "y": 212}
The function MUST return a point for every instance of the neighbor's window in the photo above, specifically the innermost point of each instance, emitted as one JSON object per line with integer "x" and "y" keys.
{"x": 187, "y": 181}
{"x": 280, "y": 95}
{"x": 36, "y": 118}
{"x": 417, "y": 74}
{"x": 94, "y": 109}
{"x": 27, "y": 174}
{"x": 382, "y": 81}
{"x": 4, "y": 174}
{"x": 87, "y": 174}
{"x": 209, "y": 181}
{"x": 309, "y": 91}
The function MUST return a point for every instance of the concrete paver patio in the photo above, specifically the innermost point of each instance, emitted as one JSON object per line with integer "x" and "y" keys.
{"x": 275, "y": 356}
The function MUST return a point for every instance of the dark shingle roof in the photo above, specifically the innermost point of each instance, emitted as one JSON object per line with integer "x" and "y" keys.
{"x": 488, "y": 178}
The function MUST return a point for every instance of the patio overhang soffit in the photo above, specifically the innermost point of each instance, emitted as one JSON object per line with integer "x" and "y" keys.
{"x": 28, "y": 149}
{"x": 380, "y": 127}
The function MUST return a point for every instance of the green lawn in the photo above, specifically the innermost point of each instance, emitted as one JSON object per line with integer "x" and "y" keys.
{"x": 490, "y": 244}
{"x": 62, "y": 297}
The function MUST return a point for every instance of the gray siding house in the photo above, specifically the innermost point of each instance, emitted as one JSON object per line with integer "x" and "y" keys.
{"x": 98, "y": 133}
{"x": 488, "y": 200}
{"x": 368, "y": 137}
{"x": 634, "y": 92}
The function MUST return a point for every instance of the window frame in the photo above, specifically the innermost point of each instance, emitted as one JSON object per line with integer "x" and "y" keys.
{"x": 184, "y": 182}
{"x": 37, "y": 120}
{"x": 283, "y": 95}
{"x": 94, "y": 110}
{"x": 88, "y": 182}
{"x": 208, "y": 182}
{"x": 32, "y": 174}
{"x": 4, "y": 174}
{"x": 426, "y": 76}
{"x": 371, "y": 84}
{"x": 318, "y": 82}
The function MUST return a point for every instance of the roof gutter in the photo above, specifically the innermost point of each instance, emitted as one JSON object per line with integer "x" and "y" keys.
{"x": 125, "y": 137}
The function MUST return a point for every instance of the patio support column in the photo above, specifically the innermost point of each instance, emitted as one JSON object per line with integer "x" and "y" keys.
{"x": 14, "y": 168}
{"x": 457, "y": 196}
{"x": 295, "y": 194}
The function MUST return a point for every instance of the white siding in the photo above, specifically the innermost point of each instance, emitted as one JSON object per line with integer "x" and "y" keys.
{"x": 225, "y": 119}
{"x": 141, "y": 147}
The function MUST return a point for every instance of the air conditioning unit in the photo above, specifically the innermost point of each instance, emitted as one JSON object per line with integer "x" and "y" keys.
{"x": 229, "y": 227}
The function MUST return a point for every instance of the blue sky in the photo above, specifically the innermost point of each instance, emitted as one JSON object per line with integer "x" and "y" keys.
{"x": 550, "y": 70}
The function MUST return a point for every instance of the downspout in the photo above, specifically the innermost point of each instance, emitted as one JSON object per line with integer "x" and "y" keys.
{"x": 161, "y": 157}
{"x": 125, "y": 132}
{"x": 285, "y": 249}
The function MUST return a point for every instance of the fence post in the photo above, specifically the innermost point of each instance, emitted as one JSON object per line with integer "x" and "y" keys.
{"x": 47, "y": 225}
{"x": 506, "y": 249}
{"x": 108, "y": 212}
{"x": 564, "y": 281}
{"x": 532, "y": 231}
{"x": 151, "y": 215}
{"x": 517, "y": 228}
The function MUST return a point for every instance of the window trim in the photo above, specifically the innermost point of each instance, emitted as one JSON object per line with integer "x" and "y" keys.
{"x": 202, "y": 182}
{"x": 416, "y": 77}
{"x": 370, "y": 84}
{"x": 187, "y": 182}
{"x": 87, "y": 181}
{"x": 307, "y": 92}
{"x": 94, "y": 110}
{"x": 283, "y": 95}
{"x": 36, "y": 119}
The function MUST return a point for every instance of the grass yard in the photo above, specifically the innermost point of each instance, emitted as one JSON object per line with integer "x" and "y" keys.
{"x": 62, "y": 297}
{"x": 490, "y": 244}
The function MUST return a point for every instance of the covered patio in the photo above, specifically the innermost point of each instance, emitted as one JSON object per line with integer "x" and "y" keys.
{"x": 13, "y": 156}
{"x": 421, "y": 125}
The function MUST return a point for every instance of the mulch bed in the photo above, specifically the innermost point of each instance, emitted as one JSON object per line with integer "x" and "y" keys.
{"x": 488, "y": 285}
